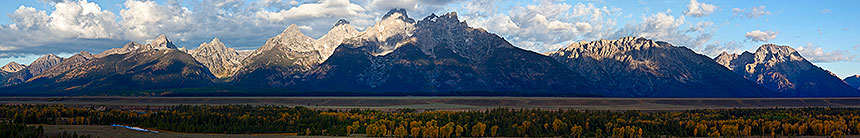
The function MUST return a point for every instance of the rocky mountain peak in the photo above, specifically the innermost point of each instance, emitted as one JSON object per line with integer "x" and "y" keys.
{"x": 386, "y": 33}
{"x": 643, "y": 67}
{"x": 215, "y": 43}
{"x": 289, "y": 47}
{"x": 216, "y": 40}
{"x": 448, "y": 18}
{"x": 777, "y": 53}
{"x": 47, "y": 58}
{"x": 219, "y": 59}
{"x": 13, "y": 67}
{"x": 132, "y": 45}
{"x": 608, "y": 48}
{"x": 782, "y": 69}
{"x": 86, "y": 54}
{"x": 340, "y": 22}
{"x": 398, "y": 13}
{"x": 340, "y": 32}
{"x": 44, "y": 63}
{"x": 160, "y": 43}
{"x": 129, "y": 47}
{"x": 293, "y": 29}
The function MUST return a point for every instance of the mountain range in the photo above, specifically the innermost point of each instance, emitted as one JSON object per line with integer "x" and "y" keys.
{"x": 434, "y": 56}
{"x": 784, "y": 70}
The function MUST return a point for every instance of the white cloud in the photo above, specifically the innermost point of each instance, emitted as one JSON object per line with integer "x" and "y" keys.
{"x": 65, "y": 29}
{"x": 73, "y": 19}
{"x": 699, "y": 9}
{"x": 545, "y": 26}
{"x": 760, "y": 36}
{"x": 701, "y": 26}
{"x": 416, "y": 7}
{"x": 28, "y": 18}
{"x": 665, "y": 27}
{"x": 143, "y": 19}
{"x": 83, "y": 19}
{"x": 754, "y": 12}
{"x": 326, "y": 8}
{"x": 826, "y": 11}
{"x": 817, "y": 54}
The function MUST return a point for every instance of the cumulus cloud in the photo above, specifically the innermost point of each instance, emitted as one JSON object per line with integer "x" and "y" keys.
{"x": 754, "y": 12}
{"x": 665, "y": 27}
{"x": 701, "y": 26}
{"x": 69, "y": 23}
{"x": 546, "y": 26}
{"x": 326, "y": 8}
{"x": 142, "y": 19}
{"x": 817, "y": 54}
{"x": 761, "y": 36}
{"x": 415, "y": 7}
{"x": 699, "y": 9}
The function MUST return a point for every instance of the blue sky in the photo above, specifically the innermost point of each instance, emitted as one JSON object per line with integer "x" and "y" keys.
{"x": 824, "y": 32}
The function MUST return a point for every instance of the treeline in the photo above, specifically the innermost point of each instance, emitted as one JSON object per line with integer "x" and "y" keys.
{"x": 835, "y": 122}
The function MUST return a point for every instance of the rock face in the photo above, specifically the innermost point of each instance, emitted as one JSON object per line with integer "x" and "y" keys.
{"x": 288, "y": 53}
{"x": 219, "y": 59}
{"x": 13, "y": 67}
{"x": 40, "y": 65}
{"x": 159, "y": 43}
{"x": 327, "y": 43}
{"x": 127, "y": 48}
{"x": 784, "y": 70}
{"x": 853, "y": 81}
{"x": 156, "y": 66}
{"x": 638, "y": 67}
{"x": 439, "y": 55}
{"x": 9, "y": 69}
{"x": 70, "y": 63}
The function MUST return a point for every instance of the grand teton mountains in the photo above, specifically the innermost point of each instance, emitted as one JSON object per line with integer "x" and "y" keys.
{"x": 436, "y": 56}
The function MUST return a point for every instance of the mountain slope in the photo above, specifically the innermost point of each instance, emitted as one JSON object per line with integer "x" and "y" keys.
{"x": 853, "y": 81}
{"x": 159, "y": 43}
{"x": 219, "y": 59}
{"x": 12, "y": 67}
{"x": 783, "y": 69}
{"x": 70, "y": 63}
{"x": 327, "y": 43}
{"x": 273, "y": 64}
{"x": 36, "y": 68}
{"x": 638, "y": 67}
{"x": 439, "y": 55}
{"x": 144, "y": 68}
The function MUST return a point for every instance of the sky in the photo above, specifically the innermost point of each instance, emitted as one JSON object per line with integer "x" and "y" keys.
{"x": 823, "y": 31}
